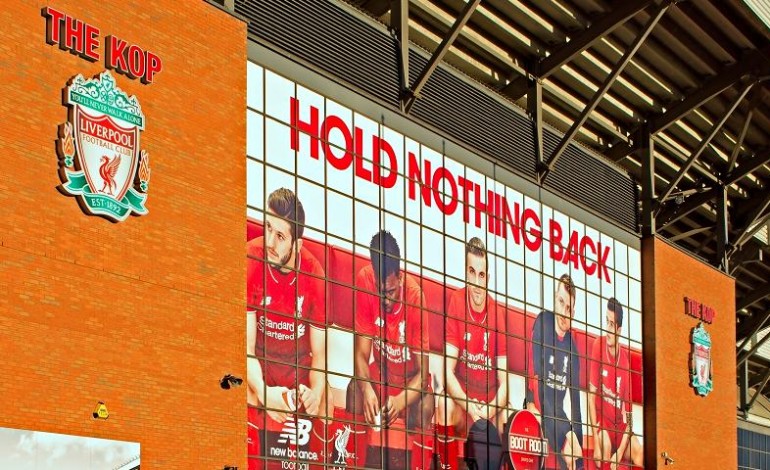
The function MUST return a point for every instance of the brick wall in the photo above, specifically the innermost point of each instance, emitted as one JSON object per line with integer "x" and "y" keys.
{"x": 698, "y": 432}
{"x": 145, "y": 315}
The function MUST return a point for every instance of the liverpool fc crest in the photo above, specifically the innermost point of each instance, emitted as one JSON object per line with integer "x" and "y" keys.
{"x": 700, "y": 375}
{"x": 101, "y": 163}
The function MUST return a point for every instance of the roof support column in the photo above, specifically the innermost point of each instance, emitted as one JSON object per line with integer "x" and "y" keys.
{"x": 723, "y": 224}
{"x": 399, "y": 24}
{"x": 535, "y": 110}
{"x": 647, "y": 157}
{"x": 743, "y": 387}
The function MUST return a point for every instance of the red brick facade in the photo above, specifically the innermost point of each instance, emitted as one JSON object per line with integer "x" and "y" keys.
{"x": 697, "y": 432}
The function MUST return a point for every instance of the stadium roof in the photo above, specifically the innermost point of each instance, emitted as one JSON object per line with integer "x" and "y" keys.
{"x": 689, "y": 76}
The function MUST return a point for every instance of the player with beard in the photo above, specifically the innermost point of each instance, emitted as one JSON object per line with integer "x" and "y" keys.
{"x": 557, "y": 369}
{"x": 476, "y": 358}
{"x": 285, "y": 329}
{"x": 609, "y": 402}
{"x": 391, "y": 346}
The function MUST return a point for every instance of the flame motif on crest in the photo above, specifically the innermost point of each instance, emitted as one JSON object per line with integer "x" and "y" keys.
{"x": 144, "y": 171}
{"x": 67, "y": 144}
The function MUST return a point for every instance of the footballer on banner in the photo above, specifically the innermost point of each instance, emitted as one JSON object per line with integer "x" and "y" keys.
{"x": 286, "y": 337}
{"x": 476, "y": 359}
{"x": 392, "y": 382}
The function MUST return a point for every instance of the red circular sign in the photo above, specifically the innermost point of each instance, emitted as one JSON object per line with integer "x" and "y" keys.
{"x": 526, "y": 445}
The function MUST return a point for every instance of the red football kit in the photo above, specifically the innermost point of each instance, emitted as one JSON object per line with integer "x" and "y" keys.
{"x": 612, "y": 379}
{"x": 480, "y": 341}
{"x": 286, "y": 305}
{"x": 399, "y": 337}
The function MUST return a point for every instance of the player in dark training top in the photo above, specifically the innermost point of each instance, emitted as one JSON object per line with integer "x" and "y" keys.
{"x": 557, "y": 368}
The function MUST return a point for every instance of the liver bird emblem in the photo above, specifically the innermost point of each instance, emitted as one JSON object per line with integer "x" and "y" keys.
{"x": 341, "y": 444}
{"x": 107, "y": 170}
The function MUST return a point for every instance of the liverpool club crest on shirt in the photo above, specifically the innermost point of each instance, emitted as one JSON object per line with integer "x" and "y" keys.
{"x": 101, "y": 161}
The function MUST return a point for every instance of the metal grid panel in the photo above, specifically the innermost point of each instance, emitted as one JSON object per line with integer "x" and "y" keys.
{"x": 366, "y": 57}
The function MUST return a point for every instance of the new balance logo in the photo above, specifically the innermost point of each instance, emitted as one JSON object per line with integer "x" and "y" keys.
{"x": 296, "y": 433}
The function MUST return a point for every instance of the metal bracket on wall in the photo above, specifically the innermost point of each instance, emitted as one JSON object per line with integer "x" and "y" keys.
{"x": 413, "y": 92}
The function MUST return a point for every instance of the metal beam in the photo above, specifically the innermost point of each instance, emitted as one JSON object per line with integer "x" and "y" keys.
{"x": 675, "y": 212}
{"x": 750, "y": 219}
{"x": 647, "y": 157}
{"x": 753, "y": 349}
{"x": 583, "y": 40}
{"x": 399, "y": 24}
{"x": 743, "y": 254}
{"x": 755, "y": 296}
{"x": 704, "y": 143}
{"x": 754, "y": 327}
{"x": 545, "y": 66}
{"x": 723, "y": 221}
{"x": 715, "y": 85}
{"x": 756, "y": 323}
{"x": 736, "y": 174}
{"x": 756, "y": 374}
{"x": 759, "y": 390}
{"x": 754, "y": 100}
{"x": 690, "y": 233}
{"x": 439, "y": 53}
{"x": 719, "y": 82}
{"x": 535, "y": 110}
{"x": 604, "y": 88}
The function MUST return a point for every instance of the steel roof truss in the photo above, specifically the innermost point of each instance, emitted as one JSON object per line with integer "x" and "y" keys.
{"x": 749, "y": 224}
{"x": 754, "y": 99}
{"x": 439, "y": 53}
{"x": 692, "y": 232}
{"x": 746, "y": 168}
{"x": 399, "y": 24}
{"x": 603, "y": 89}
{"x": 675, "y": 212}
{"x": 759, "y": 390}
{"x": 598, "y": 29}
{"x": 545, "y": 66}
{"x": 704, "y": 143}
{"x": 753, "y": 349}
{"x": 757, "y": 294}
{"x": 744, "y": 254}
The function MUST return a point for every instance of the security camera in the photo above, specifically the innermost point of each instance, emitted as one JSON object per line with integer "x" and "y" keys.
{"x": 230, "y": 381}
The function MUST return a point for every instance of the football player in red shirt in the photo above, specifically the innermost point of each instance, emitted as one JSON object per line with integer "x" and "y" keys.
{"x": 285, "y": 324}
{"x": 609, "y": 403}
{"x": 476, "y": 358}
{"x": 391, "y": 329}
